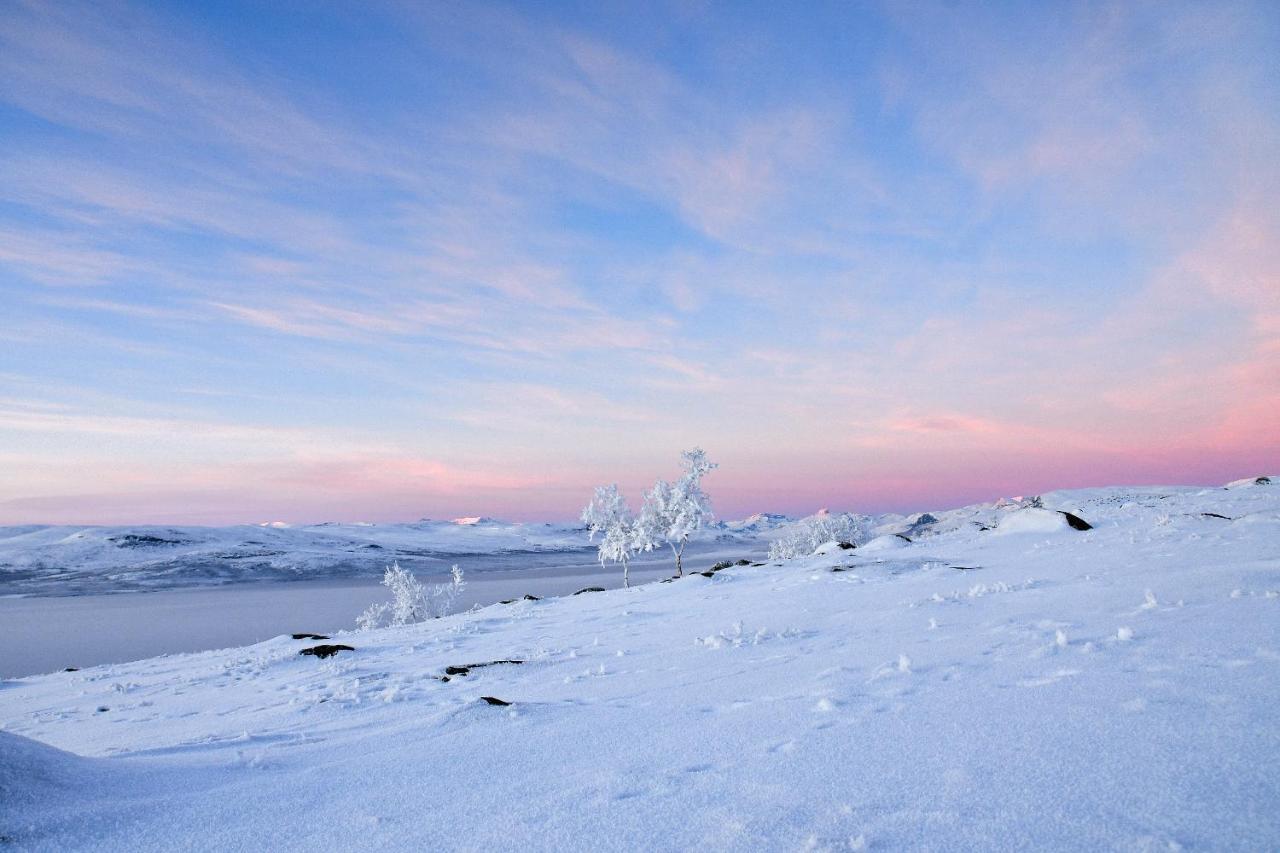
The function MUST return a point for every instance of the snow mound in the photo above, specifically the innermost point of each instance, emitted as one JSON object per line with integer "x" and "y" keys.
{"x": 831, "y": 547}
{"x": 1033, "y": 520}
{"x": 888, "y": 542}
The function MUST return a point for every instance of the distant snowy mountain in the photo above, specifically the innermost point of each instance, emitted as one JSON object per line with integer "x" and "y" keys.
{"x": 760, "y": 523}
{"x": 72, "y": 560}
{"x": 66, "y": 560}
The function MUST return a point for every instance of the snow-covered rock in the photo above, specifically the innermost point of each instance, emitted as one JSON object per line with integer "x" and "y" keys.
{"x": 832, "y": 547}
{"x": 1033, "y": 520}
{"x": 1264, "y": 480}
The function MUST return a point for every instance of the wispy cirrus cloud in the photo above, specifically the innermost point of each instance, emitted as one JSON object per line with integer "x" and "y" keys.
{"x": 988, "y": 241}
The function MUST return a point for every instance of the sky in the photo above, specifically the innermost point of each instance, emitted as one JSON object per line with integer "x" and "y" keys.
{"x": 380, "y": 261}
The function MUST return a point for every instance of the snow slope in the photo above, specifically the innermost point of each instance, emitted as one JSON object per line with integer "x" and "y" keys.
{"x": 1114, "y": 688}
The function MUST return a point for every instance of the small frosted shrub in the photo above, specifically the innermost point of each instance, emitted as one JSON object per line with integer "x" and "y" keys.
{"x": 410, "y": 601}
{"x": 800, "y": 538}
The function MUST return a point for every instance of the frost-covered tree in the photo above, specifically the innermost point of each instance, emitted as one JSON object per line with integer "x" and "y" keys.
{"x": 606, "y": 506}
{"x": 608, "y": 516}
{"x": 672, "y": 512}
{"x": 411, "y": 601}
{"x": 800, "y": 538}
{"x": 618, "y": 544}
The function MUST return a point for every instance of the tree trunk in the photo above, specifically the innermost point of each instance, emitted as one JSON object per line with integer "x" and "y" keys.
{"x": 679, "y": 552}
{"x": 626, "y": 574}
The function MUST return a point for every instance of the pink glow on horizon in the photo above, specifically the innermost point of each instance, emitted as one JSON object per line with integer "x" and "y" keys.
{"x": 408, "y": 490}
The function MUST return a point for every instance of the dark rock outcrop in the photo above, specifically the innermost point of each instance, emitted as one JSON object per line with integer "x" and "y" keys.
{"x": 143, "y": 540}
{"x": 492, "y": 700}
{"x": 590, "y": 589}
{"x": 1076, "y": 522}
{"x": 310, "y": 637}
{"x": 922, "y": 523}
{"x": 326, "y": 651}
{"x": 465, "y": 669}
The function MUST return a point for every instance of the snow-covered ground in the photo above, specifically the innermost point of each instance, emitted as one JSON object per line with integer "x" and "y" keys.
{"x": 1001, "y": 681}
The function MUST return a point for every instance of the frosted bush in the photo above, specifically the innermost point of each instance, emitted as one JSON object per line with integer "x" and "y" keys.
{"x": 411, "y": 601}
{"x": 800, "y": 538}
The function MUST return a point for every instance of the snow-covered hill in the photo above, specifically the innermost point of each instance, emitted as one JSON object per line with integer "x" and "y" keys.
{"x": 1024, "y": 686}
{"x": 67, "y": 560}
{"x": 62, "y": 560}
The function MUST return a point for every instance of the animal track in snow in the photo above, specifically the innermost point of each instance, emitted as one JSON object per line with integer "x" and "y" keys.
{"x": 976, "y": 591}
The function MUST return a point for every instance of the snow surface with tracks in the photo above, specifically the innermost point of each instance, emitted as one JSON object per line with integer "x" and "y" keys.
{"x": 1002, "y": 681}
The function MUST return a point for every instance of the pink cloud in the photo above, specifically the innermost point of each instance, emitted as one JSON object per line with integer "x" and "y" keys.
{"x": 944, "y": 424}
{"x": 361, "y": 477}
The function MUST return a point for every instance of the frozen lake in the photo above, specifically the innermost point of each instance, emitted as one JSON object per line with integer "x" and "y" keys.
{"x": 45, "y": 634}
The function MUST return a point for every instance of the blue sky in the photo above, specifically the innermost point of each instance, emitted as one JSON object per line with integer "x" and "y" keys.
{"x": 381, "y": 261}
